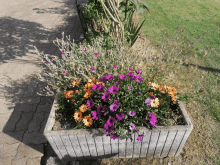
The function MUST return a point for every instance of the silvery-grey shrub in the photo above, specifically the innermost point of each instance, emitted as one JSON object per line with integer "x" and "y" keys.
{"x": 78, "y": 59}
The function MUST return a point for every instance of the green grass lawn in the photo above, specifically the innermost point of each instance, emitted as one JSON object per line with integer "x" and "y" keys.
{"x": 196, "y": 17}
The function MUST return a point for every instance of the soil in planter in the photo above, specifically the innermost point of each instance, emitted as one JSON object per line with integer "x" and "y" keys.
{"x": 64, "y": 121}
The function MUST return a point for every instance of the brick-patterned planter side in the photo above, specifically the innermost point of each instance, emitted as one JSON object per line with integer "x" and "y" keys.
{"x": 81, "y": 144}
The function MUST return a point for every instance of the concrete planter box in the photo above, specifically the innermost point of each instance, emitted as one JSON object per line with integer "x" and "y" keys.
{"x": 81, "y": 144}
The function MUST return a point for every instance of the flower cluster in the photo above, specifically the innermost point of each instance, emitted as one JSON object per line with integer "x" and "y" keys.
{"x": 170, "y": 90}
{"x": 114, "y": 102}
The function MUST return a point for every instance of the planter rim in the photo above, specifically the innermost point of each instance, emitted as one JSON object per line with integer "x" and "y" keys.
{"x": 100, "y": 131}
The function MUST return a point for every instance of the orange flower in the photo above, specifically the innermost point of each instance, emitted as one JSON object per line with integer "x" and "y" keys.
{"x": 78, "y": 115}
{"x": 161, "y": 91}
{"x": 77, "y": 91}
{"x": 151, "y": 94}
{"x": 73, "y": 100}
{"x": 83, "y": 108}
{"x": 92, "y": 80}
{"x": 86, "y": 88}
{"x": 74, "y": 83}
{"x": 87, "y": 121}
{"x": 68, "y": 94}
{"x": 148, "y": 83}
{"x": 101, "y": 83}
{"x": 155, "y": 86}
{"x": 87, "y": 95}
{"x": 161, "y": 100}
{"x": 90, "y": 84}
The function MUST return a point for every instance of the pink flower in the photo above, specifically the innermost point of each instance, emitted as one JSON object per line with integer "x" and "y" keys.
{"x": 75, "y": 53}
{"x": 82, "y": 43}
{"x": 104, "y": 51}
{"x": 115, "y": 66}
{"x": 84, "y": 50}
{"x": 64, "y": 72}
{"x": 47, "y": 62}
{"x": 95, "y": 54}
{"x": 130, "y": 68}
{"x": 142, "y": 38}
{"x": 62, "y": 53}
{"x": 92, "y": 69}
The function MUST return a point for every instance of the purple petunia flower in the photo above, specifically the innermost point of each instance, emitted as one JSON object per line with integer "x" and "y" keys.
{"x": 122, "y": 77}
{"x": 114, "y": 136}
{"x": 140, "y": 138}
{"x": 105, "y": 96}
{"x": 113, "y": 89}
{"x": 138, "y": 71}
{"x": 139, "y": 79}
{"x": 117, "y": 82}
{"x": 101, "y": 108}
{"x": 90, "y": 104}
{"x": 120, "y": 116}
{"x": 113, "y": 107}
{"x": 130, "y": 88}
{"x": 132, "y": 78}
{"x": 101, "y": 79}
{"x": 95, "y": 115}
{"x": 153, "y": 119}
{"x": 137, "y": 130}
{"x": 130, "y": 74}
{"x": 111, "y": 121}
{"x": 95, "y": 86}
{"x": 132, "y": 126}
{"x": 108, "y": 128}
{"x": 132, "y": 113}
{"x": 148, "y": 102}
{"x": 100, "y": 87}
{"x": 108, "y": 77}
{"x": 116, "y": 102}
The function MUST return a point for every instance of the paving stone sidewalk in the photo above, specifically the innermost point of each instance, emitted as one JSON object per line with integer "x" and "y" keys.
{"x": 23, "y": 113}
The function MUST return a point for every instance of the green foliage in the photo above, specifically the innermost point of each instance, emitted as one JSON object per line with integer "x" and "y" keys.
{"x": 96, "y": 21}
{"x": 132, "y": 30}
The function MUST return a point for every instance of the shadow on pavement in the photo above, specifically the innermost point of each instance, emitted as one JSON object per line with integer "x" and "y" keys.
{"x": 29, "y": 111}
{"x": 17, "y": 37}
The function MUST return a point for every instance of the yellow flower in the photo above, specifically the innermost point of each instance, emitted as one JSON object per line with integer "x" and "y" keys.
{"x": 78, "y": 115}
{"x": 87, "y": 121}
{"x": 68, "y": 94}
{"x": 83, "y": 108}
{"x": 155, "y": 102}
{"x": 87, "y": 94}
{"x": 155, "y": 86}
